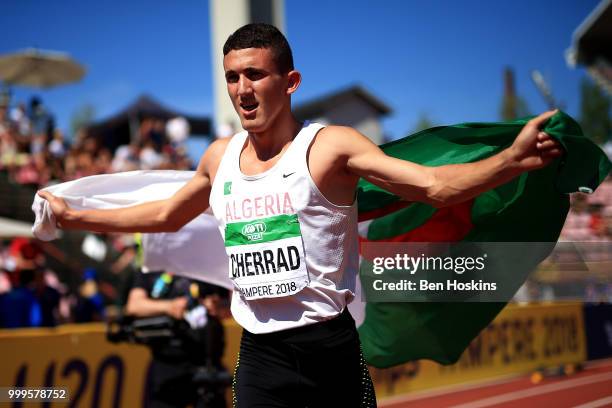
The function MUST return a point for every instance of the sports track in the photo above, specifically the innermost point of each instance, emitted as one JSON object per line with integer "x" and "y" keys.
{"x": 588, "y": 388}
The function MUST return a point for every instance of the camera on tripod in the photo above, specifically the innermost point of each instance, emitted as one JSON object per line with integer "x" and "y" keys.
{"x": 145, "y": 330}
{"x": 160, "y": 331}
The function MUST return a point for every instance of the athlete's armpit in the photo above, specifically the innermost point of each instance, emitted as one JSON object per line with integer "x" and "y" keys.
{"x": 364, "y": 159}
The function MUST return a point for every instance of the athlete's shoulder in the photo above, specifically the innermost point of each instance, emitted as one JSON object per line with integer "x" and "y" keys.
{"x": 338, "y": 131}
{"x": 341, "y": 138}
{"x": 337, "y": 135}
{"x": 218, "y": 147}
{"x": 212, "y": 156}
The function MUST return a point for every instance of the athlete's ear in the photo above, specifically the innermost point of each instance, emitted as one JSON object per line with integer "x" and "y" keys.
{"x": 294, "y": 79}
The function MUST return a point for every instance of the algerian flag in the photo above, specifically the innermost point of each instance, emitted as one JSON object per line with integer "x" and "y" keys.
{"x": 196, "y": 251}
{"x": 530, "y": 208}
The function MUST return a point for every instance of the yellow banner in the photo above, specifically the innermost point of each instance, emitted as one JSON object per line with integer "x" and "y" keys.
{"x": 96, "y": 373}
{"x": 101, "y": 374}
{"x": 78, "y": 357}
{"x": 520, "y": 339}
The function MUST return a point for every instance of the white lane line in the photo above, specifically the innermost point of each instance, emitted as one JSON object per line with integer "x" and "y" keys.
{"x": 597, "y": 403}
{"x": 536, "y": 390}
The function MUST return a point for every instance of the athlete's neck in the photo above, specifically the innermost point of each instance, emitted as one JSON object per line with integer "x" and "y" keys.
{"x": 272, "y": 141}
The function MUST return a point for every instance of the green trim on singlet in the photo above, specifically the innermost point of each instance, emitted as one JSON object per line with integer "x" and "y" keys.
{"x": 262, "y": 230}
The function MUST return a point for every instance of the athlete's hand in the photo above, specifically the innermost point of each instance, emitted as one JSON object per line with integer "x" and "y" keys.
{"x": 57, "y": 204}
{"x": 533, "y": 149}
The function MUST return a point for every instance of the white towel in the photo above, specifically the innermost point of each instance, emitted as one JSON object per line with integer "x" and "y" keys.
{"x": 196, "y": 251}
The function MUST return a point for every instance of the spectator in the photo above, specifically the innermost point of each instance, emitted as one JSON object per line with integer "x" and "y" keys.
{"x": 39, "y": 117}
{"x": 127, "y": 158}
{"x": 8, "y": 146}
{"x": 19, "y": 307}
{"x": 31, "y": 302}
{"x": 176, "y": 359}
{"x": 103, "y": 161}
{"x": 21, "y": 119}
{"x": 149, "y": 157}
{"x": 4, "y": 122}
{"x": 90, "y": 303}
{"x": 57, "y": 146}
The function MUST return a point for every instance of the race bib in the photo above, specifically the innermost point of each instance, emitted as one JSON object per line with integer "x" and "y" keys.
{"x": 266, "y": 256}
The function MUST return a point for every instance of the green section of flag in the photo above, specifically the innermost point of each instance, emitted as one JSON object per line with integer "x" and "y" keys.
{"x": 262, "y": 230}
{"x": 227, "y": 188}
{"x": 530, "y": 208}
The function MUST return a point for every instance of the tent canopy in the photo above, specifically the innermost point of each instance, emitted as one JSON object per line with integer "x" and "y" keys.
{"x": 116, "y": 130}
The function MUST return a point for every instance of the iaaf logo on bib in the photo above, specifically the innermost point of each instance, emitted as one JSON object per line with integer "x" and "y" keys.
{"x": 254, "y": 231}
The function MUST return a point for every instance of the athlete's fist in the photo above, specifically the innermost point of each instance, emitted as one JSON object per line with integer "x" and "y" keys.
{"x": 532, "y": 148}
{"x": 57, "y": 204}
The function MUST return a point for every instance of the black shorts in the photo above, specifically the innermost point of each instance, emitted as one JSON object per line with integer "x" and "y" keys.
{"x": 315, "y": 366}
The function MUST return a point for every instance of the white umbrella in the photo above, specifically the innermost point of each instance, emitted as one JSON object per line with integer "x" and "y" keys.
{"x": 41, "y": 69}
{"x": 13, "y": 228}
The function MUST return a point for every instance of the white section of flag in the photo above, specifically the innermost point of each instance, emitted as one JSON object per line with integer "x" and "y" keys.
{"x": 196, "y": 251}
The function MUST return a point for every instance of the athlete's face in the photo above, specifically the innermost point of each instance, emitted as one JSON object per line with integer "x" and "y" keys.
{"x": 259, "y": 92}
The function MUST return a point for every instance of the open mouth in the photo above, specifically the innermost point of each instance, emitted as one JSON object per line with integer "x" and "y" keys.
{"x": 249, "y": 107}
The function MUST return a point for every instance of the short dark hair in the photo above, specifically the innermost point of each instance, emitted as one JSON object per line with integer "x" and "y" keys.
{"x": 260, "y": 35}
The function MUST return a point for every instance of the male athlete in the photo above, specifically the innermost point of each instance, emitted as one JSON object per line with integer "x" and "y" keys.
{"x": 283, "y": 193}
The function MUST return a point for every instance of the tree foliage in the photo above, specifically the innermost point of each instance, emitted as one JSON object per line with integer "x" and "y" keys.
{"x": 595, "y": 112}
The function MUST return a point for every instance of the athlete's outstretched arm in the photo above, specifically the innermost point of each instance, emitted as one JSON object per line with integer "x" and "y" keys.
{"x": 450, "y": 184}
{"x": 156, "y": 216}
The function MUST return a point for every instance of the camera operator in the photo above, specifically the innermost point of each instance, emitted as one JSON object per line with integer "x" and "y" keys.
{"x": 177, "y": 358}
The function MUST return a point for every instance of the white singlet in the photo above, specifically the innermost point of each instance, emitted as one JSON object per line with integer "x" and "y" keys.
{"x": 293, "y": 255}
